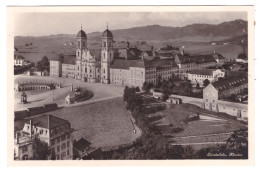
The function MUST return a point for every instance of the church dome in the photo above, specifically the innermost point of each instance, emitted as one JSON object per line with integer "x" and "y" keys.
{"x": 81, "y": 33}
{"x": 107, "y": 33}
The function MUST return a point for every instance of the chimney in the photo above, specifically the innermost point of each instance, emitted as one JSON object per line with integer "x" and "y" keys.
{"x": 30, "y": 127}
{"x": 127, "y": 44}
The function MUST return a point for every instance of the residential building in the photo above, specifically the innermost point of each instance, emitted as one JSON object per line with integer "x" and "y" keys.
{"x": 18, "y": 60}
{"x": 68, "y": 66}
{"x": 54, "y": 131}
{"x": 56, "y": 65}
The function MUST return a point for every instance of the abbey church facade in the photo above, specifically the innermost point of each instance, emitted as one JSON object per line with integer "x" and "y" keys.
{"x": 88, "y": 65}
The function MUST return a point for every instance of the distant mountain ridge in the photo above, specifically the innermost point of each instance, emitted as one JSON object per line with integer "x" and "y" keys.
{"x": 157, "y": 32}
{"x": 207, "y": 32}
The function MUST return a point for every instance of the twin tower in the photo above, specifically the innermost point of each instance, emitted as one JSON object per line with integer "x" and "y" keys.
{"x": 88, "y": 66}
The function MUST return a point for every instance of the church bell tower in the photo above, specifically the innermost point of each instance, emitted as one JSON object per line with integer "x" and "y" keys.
{"x": 81, "y": 46}
{"x": 107, "y": 55}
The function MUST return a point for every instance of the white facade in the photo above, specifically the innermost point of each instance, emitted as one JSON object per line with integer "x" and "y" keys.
{"x": 198, "y": 77}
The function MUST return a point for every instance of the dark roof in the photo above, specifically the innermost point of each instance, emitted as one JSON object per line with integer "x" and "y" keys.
{"x": 165, "y": 54}
{"x": 96, "y": 53}
{"x": 161, "y": 63}
{"x": 202, "y": 71}
{"x": 81, "y": 144}
{"x": 56, "y": 57}
{"x": 230, "y": 82}
{"x": 203, "y": 58}
{"x": 126, "y": 64}
{"x": 217, "y": 56}
{"x": 42, "y": 121}
{"x": 69, "y": 59}
{"x": 18, "y": 57}
{"x": 149, "y": 53}
{"x": 81, "y": 34}
{"x": 129, "y": 53}
{"x": 107, "y": 33}
{"x": 149, "y": 57}
{"x": 182, "y": 58}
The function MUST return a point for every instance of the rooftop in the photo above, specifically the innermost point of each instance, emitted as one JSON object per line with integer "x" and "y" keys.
{"x": 202, "y": 71}
{"x": 69, "y": 59}
{"x": 203, "y": 58}
{"x": 126, "y": 64}
{"x": 18, "y": 57}
{"x": 161, "y": 63}
{"x": 230, "y": 82}
{"x": 96, "y": 53}
{"x": 81, "y": 33}
{"x": 81, "y": 144}
{"x": 48, "y": 121}
{"x": 107, "y": 33}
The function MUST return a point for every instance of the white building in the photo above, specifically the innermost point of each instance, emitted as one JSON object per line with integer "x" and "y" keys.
{"x": 199, "y": 75}
{"x": 54, "y": 131}
{"x": 18, "y": 60}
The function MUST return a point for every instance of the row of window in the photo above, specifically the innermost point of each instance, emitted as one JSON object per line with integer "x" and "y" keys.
{"x": 63, "y": 155}
{"x": 60, "y": 138}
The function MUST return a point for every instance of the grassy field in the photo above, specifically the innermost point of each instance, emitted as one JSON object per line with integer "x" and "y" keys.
{"x": 104, "y": 123}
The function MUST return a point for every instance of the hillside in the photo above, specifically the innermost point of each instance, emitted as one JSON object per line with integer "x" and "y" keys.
{"x": 155, "y": 35}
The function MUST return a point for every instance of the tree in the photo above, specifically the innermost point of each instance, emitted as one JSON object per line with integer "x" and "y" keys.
{"x": 125, "y": 93}
{"x": 245, "y": 91}
{"x": 147, "y": 86}
{"x": 43, "y": 64}
{"x": 137, "y": 89}
{"x": 186, "y": 88}
{"x": 197, "y": 85}
{"x": 159, "y": 81}
{"x": 41, "y": 150}
{"x": 238, "y": 143}
{"x": 165, "y": 90}
{"x": 206, "y": 82}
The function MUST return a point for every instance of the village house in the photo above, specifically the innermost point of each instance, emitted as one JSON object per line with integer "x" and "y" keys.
{"x": 18, "y": 60}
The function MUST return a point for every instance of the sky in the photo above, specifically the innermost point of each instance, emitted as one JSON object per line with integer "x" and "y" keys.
{"x": 41, "y": 24}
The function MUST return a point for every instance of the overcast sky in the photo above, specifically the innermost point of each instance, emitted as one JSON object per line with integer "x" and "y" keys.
{"x": 38, "y": 24}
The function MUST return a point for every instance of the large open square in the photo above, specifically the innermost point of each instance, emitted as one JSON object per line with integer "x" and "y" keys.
{"x": 39, "y": 98}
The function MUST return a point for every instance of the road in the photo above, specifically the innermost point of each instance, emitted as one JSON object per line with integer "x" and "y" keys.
{"x": 38, "y": 98}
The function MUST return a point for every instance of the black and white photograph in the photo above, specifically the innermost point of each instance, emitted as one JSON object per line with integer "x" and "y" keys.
{"x": 114, "y": 84}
